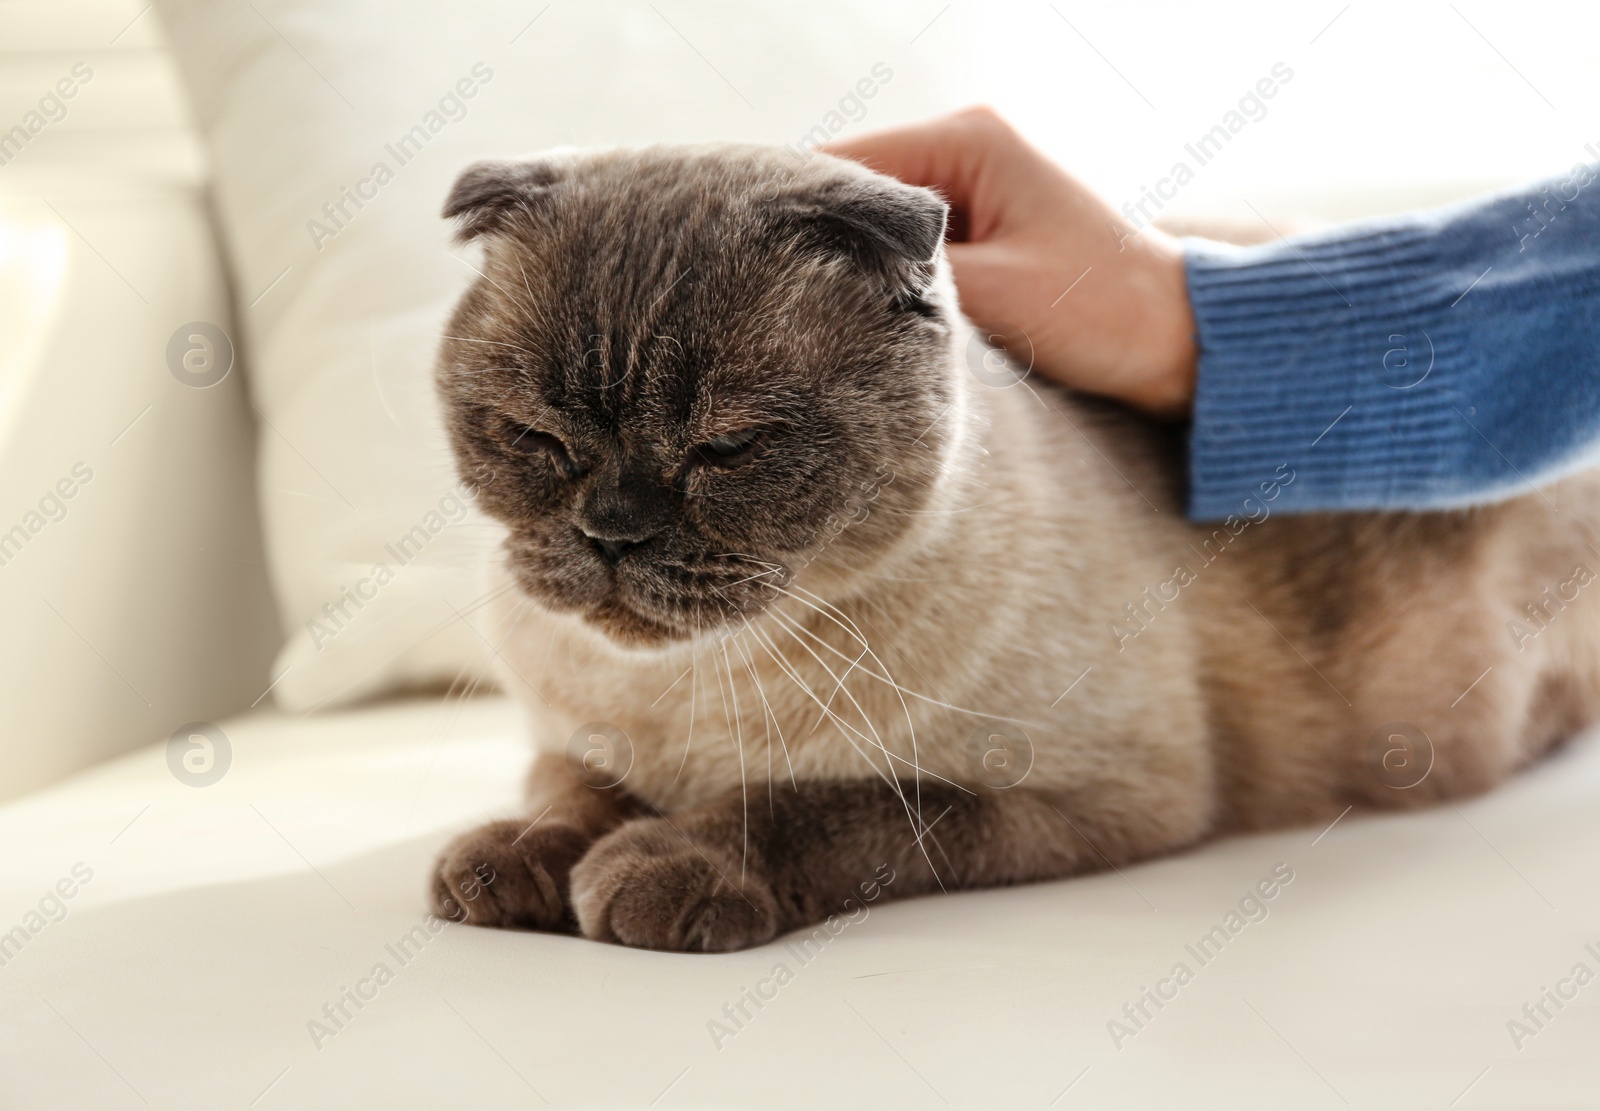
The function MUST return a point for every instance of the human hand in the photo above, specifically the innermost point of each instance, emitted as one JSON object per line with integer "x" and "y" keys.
{"x": 1034, "y": 250}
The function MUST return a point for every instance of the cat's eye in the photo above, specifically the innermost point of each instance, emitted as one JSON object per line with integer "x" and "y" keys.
{"x": 527, "y": 440}
{"x": 731, "y": 449}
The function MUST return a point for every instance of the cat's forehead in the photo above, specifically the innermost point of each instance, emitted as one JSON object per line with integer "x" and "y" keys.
{"x": 674, "y": 338}
{"x": 658, "y": 383}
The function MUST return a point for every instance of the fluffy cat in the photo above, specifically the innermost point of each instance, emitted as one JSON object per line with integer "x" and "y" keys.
{"x": 803, "y": 589}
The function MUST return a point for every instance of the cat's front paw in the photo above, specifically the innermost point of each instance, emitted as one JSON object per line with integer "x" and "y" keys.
{"x": 509, "y": 874}
{"x": 646, "y": 884}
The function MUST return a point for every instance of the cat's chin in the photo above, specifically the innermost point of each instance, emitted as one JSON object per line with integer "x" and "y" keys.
{"x": 628, "y": 628}
{"x": 637, "y": 621}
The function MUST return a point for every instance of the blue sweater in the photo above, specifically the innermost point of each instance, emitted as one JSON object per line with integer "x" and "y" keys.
{"x": 1436, "y": 359}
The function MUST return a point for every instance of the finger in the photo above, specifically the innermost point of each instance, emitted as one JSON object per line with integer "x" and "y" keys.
{"x": 972, "y": 157}
{"x": 945, "y": 154}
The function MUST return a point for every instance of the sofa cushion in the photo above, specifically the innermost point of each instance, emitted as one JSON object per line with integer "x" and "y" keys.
{"x": 131, "y": 581}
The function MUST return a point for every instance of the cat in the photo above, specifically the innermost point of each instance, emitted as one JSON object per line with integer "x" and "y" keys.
{"x": 805, "y": 588}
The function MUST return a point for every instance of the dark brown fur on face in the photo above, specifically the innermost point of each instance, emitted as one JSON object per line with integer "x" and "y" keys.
{"x": 675, "y": 371}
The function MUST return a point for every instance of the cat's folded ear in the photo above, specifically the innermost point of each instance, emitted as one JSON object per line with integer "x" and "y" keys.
{"x": 886, "y": 226}
{"x": 490, "y": 194}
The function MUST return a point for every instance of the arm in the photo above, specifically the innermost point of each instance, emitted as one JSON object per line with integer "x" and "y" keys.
{"x": 1430, "y": 360}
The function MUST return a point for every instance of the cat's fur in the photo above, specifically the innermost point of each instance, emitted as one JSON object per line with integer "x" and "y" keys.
{"x": 932, "y": 619}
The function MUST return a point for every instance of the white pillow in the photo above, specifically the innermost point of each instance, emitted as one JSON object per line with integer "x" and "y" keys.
{"x": 335, "y": 130}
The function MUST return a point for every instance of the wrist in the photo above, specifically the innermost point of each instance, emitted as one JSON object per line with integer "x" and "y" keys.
{"x": 1166, "y": 351}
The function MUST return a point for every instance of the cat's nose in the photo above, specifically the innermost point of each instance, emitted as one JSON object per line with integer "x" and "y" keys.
{"x": 612, "y": 548}
{"x": 622, "y": 511}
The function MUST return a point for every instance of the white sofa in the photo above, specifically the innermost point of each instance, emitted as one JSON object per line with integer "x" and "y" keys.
{"x": 248, "y": 929}
{"x": 219, "y": 923}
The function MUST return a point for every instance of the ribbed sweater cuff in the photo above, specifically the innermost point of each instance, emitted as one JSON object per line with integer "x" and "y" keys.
{"x": 1316, "y": 372}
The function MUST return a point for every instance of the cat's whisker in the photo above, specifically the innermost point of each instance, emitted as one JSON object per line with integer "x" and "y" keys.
{"x": 937, "y": 698}
{"x": 738, "y": 744}
{"x": 866, "y": 573}
{"x": 792, "y": 672}
{"x": 929, "y": 835}
{"x": 736, "y": 637}
{"x": 484, "y": 599}
{"x": 488, "y": 343}
{"x": 779, "y": 617}
{"x": 772, "y": 716}
{"x": 730, "y": 718}
{"x": 485, "y": 277}
{"x": 851, "y": 630}
{"x": 533, "y": 302}
{"x": 747, "y": 558}
{"x": 911, "y": 727}
{"x": 839, "y": 686}
{"x": 694, "y": 693}
{"x": 747, "y": 578}
{"x": 912, "y": 816}
{"x": 868, "y": 671}
{"x": 908, "y": 691}
{"x": 848, "y": 731}
{"x": 727, "y": 714}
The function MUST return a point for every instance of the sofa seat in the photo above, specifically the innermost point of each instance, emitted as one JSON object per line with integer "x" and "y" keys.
{"x": 262, "y": 942}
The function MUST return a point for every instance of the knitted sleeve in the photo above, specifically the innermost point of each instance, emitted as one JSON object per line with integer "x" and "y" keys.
{"x": 1437, "y": 359}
